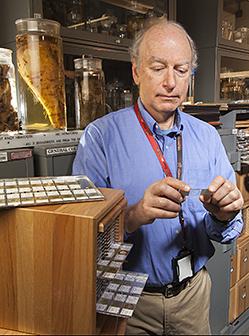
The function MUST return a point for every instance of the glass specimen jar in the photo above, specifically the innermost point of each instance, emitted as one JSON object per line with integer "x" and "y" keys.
{"x": 8, "y": 98}
{"x": 40, "y": 75}
{"x": 89, "y": 90}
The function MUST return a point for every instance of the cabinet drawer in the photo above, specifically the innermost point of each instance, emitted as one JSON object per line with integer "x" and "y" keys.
{"x": 243, "y": 296}
{"x": 239, "y": 298}
{"x": 233, "y": 270}
{"x": 243, "y": 257}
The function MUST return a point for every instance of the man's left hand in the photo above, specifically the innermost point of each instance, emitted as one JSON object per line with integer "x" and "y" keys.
{"x": 224, "y": 200}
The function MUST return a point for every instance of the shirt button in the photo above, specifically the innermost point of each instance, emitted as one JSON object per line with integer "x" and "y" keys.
{"x": 177, "y": 231}
{"x": 166, "y": 147}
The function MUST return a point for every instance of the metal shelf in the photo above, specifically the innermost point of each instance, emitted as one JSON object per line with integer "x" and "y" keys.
{"x": 136, "y": 6}
{"x": 235, "y": 74}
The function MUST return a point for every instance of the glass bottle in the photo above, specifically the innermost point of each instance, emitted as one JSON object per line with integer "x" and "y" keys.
{"x": 74, "y": 12}
{"x": 126, "y": 98}
{"x": 89, "y": 90}
{"x": 191, "y": 89}
{"x": 40, "y": 75}
{"x": 114, "y": 95}
{"x": 8, "y": 99}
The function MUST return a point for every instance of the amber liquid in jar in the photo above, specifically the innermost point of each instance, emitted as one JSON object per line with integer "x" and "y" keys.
{"x": 89, "y": 91}
{"x": 41, "y": 82}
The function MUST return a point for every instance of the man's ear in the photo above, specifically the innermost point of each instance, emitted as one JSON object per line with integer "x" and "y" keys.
{"x": 135, "y": 73}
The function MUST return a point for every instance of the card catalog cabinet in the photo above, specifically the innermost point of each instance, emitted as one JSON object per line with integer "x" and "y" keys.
{"x": 48, "y": 257}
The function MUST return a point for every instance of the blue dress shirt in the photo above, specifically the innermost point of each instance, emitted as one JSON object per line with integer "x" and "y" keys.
{"x": 115, "y": 153}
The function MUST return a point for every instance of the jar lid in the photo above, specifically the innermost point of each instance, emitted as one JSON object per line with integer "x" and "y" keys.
{"x": 91, "y": 63}
{"x": 87, "y": 63}
{"x": 77, "y": 63}
{"x": 49, "y": 27}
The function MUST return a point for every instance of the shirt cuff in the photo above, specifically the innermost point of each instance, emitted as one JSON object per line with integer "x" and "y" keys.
{"x": 221, "y": 231}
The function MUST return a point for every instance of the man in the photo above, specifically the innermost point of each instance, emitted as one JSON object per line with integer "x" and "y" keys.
{"x": 156, "y": 154}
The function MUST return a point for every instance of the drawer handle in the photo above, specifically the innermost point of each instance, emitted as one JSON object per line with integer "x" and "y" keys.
{"x": 243, "y": 295}
{"x": 245, "y": 259}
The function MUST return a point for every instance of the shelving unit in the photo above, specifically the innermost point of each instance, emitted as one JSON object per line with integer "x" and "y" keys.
{"x": 111, "y": 48}
{"x": 217, "y": 55}
{"x": 221, "y": 58}
{"x": 238, "y": 318}
{"x": 141, "y": 6}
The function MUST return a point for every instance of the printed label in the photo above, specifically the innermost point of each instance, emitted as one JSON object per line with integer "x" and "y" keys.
{"x": 3, "y": 156}
{"x": 126, "y": 312}
{"x": 61, "y": 150}
{"x": 25, "y": 189}
{"x": 24, "y": 154}
{"x": 26, "y": 195}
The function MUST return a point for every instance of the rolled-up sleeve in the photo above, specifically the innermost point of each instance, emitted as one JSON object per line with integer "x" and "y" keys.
{"x": 223, "y": 232}
{"x": 216, "y": 230}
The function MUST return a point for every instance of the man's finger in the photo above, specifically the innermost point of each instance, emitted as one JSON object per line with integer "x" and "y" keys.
{"x": 216, "y": 184}
{"x": 177, "y": 184}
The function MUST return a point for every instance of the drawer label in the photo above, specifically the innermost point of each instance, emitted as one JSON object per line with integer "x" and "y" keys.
{"x": 62, "y": 150}
{"x": 3, "y": 156}
{"x": 21, "y": 154}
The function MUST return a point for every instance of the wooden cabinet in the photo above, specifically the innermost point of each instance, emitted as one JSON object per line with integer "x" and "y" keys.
{"x": 239, "y": 280}
{"x": 233, "y": 270}
{"x": 243, "y": 295}
{"x": 48, "y": 257}
{"x": 243, "y": 258}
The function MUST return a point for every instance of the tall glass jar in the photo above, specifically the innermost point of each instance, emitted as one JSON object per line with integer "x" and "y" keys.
{"x": 89, "y": 90}
{"x": 8, "y": 99}
{"x": 40, "y": 75}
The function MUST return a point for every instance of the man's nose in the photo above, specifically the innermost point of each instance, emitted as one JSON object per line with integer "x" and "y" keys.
{"x": 169, "y": 80}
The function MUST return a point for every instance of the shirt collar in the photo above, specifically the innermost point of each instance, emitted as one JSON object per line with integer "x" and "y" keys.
{"x": 153, "y": 125}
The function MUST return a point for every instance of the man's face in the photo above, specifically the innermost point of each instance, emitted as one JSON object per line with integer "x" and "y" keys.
{"x": 164, "y": 70}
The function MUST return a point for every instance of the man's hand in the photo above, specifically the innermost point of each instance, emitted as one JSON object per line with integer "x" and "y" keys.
{"x": 162, "y": 199}
{"x": 224, "y": 200}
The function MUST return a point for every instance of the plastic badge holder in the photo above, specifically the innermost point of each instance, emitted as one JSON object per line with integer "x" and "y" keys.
{"x": 47, "y": 190}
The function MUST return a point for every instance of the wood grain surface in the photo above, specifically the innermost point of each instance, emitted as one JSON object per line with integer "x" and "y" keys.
{"x": 48, "y": 265}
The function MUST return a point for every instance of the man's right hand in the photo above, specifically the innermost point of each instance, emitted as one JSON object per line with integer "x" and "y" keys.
{"x": 161, "y": 199}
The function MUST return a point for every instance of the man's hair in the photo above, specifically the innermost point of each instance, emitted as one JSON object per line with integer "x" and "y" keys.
{"x": 160, "y": 21}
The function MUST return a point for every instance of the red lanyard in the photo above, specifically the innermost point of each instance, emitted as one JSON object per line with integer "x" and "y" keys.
{"x": 157, "y": 149}
{"x": 162, "y": 160}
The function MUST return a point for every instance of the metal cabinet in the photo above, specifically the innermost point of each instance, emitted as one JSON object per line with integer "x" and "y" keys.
{"x": 220, "y": 288}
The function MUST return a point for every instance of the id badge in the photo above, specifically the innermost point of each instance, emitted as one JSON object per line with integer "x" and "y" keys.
{"x": 183, "y": 266}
